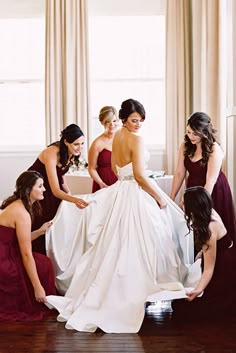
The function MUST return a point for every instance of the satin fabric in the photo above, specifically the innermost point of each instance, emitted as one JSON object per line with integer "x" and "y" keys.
{"x": 116, "y": 253}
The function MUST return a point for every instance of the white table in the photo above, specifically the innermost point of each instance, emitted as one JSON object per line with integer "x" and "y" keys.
{"x": 80, "y": 182}
{"x": 165, "y": 183}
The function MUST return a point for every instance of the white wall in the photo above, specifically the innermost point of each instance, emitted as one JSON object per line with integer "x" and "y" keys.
{"x": 124, "y": 7}
{"x": 12, "y": 165}
{"x": 157, "y": 160}
{"x": 21, "y": 8}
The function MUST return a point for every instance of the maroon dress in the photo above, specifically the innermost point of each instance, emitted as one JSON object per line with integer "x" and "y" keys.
{"x": 219, "y": 297}
{"x": 221, "y": 194}
{"x": 17, "y": 298}
{"x": 104, "y": 169}
{"x": 49, "y": 204}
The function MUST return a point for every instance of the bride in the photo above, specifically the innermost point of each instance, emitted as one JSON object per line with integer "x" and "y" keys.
{"x": 127, "y": 247}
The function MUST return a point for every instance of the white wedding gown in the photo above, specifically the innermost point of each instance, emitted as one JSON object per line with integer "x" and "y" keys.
{"x": 116, "y": 254}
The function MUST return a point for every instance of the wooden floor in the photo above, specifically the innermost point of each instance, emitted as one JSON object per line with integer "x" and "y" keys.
{"x": 158, "y": 334}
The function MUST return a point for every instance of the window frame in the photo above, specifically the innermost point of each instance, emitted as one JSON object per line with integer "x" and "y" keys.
{"x": 125, "y": 8}
{"x": 16, "y": 10}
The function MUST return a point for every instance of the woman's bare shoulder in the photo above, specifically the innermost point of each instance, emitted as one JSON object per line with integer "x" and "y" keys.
{"x": 98, "y": 142}
{"x": 49, "y": 154}
{"x": 51, "y": 149}
{"x": 182, "y": 147}
{"x": 136, "y": 138}
{"x": 216, "y": 148}
{"x": 216, "y": 225}
{"x": 15, "y": 212}
{"x": 18, "y": 206}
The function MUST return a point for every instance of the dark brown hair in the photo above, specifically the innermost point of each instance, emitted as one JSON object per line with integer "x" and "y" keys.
{"x": 71, "y": 133}
{"x": 131, "y": 106}
{"x": 198, "y": 208}
{"x": 24, "y": 184}
{"x": 201, "y": 124}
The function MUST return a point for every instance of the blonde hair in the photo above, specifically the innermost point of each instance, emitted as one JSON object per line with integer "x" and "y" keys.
{"x": 106, "y": 114}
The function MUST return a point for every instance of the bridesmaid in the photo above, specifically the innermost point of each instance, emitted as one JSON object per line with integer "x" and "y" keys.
{"x": 26, "y": 278}
{"x": 200, "y": 162}
{"x": 214, "y": 295}
{"x": 52, "y": 163}
{"x": 99, "y": 157}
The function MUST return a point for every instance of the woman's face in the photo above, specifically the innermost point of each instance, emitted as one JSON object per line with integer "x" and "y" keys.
{"x": 75, "y": 148}
{"x": 112, "y": 125}
{"x": 192, "y": 135}
{"x": 134, "y": 122}
{"x": 37, "y": 191}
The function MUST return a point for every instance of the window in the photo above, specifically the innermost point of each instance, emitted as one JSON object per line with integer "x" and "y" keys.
{"x": 127, "y": 60}
{"x": 22, "y": 112}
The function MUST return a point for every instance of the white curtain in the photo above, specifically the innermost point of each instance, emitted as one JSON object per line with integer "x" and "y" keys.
{"x": 67, "y": 88}
{"x": 177, "y": 77}
{"x": 196, "y": 68}
{"x": 209, "y": 61}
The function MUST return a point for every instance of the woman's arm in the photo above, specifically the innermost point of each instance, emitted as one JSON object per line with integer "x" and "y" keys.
{"x": 209, "y": 255}
{"x": 65, "y": 186}
{"x": 137, "y": 149}
{"x": 40, "y": 231}
{"x": 50, "y": 161}
{"x": 23, "y": 232}
{"x": 213, "y": 167}
{"x": 93, "y": 154}
{"x": 179, "y": 174}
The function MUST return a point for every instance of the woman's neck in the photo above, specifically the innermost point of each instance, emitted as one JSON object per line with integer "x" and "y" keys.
{"x": 126, "y": 128}
{"x": 109, "y": 135}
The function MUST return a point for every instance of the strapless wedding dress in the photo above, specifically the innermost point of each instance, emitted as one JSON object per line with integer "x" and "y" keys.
{"x": 116, "y": 254}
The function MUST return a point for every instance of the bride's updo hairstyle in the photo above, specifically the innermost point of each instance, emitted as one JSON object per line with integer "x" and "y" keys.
{"x": 131, "y": 106}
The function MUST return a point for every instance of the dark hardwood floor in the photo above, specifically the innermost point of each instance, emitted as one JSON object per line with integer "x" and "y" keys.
{"x": 158, "y": 334}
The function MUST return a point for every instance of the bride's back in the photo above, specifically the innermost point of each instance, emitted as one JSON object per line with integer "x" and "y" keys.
{"x": 127, "y": 145}
{"x": 122, "y": 147}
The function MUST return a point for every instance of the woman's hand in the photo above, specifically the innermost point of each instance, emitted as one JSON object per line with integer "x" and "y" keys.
{"x": 193, "y": 294}
{"x": 162, "y": 202}
{"x": 80, "y": 203}
{"x": 40, "y": 295}
{"x": 103, "y": 185}
{"x": 45, "y": 227}
{"x": 40, "y": 231}
{"x": 181, "y": 204}
{"x": 199, "y": 255}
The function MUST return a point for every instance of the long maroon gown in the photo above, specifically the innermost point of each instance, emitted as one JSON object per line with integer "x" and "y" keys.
{"x": 104, "y": 169}
{"x": 17, "y": 298}
{"x": 49, "y": 204}
{"x": 221, "y": 194}
{"x": 219, "y": 297}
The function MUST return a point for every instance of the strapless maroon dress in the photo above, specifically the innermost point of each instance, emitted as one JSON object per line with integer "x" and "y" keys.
{"x": 104, "y": 169}
{"x": 17, "y": 298}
